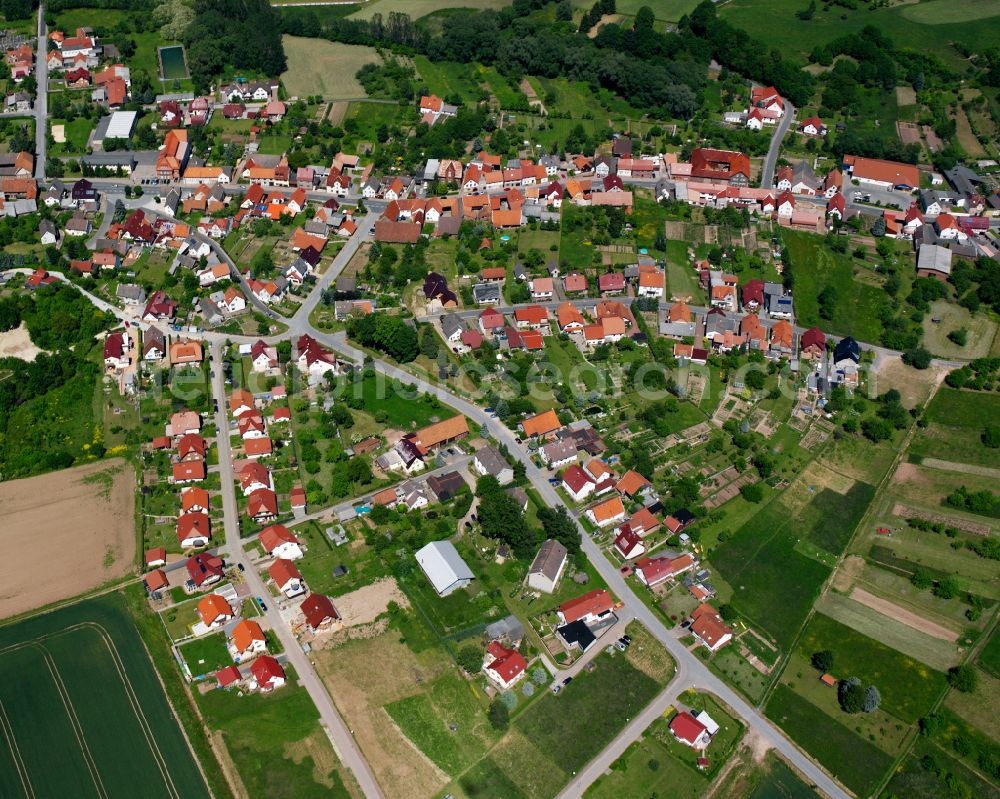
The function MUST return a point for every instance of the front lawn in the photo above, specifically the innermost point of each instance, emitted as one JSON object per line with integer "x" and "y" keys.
{"x": 208, "y": 654}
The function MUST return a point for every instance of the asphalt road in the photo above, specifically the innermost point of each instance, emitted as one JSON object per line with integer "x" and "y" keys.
{"x": 347, "y": 749}
{"x": 41, "y": 97}
{"x": 341, "y": 260}
{"x": 691, "y": 672}
{"x": 767, "y": 173}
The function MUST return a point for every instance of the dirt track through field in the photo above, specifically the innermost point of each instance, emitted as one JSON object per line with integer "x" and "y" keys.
{"x": 78, "y": 527}
{"x": 903, "y": 616}
{"x": 962, "y": 468}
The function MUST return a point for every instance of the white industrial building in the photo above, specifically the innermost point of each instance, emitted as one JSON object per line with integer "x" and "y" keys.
{"x": 444, "y": 567}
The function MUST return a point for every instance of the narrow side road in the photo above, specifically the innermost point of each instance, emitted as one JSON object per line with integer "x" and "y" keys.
{"x": 771, "y": 161}
{"x": 344, "y": 743}
{"x": 41, "y": 96}
{"x": 691, "y": 672}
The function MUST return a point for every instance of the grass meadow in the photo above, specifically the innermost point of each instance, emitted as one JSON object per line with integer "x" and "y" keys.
{"x": 909, "y": 688}
{"x": 816, "y": 267}
{"x": 420, "y": 8}
{"x": 108, "y": 740}
{"x": 448, "y": 79}
{"x": 857, "y": 763}
{"x": 560, "y": 734}
{"x": 316, "y": 66}
{"x": 275, "y": 742}
{"x": 989, "y": 655}
{"x": 957, "y": 420}
{"x": 922, "y": 27}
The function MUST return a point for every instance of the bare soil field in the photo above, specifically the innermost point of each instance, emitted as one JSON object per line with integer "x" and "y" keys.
{"x": 78, "y": 522}
{"x": 903, "y": 615}
{"x": 909, "y": 132}
{"x": 364, "y": 676}
{"x": 370, "y": 601}
{"x": 337, "y": 112}
{"x": 850, "y": 569}
{"x": 914, "y": 386}
{"x": 16, "y": 343}
{"x": 868, "y": 621}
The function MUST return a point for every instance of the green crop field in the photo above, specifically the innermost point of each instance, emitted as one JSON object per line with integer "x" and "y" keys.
{"x": 420, "y": 8}
{"x": 816, "y": 267}
{"x": 78, "y": 692}
{"x": 831, "y": 517}
{"x": 927, "y": 27}
{"x": 847, "y": 756}
{"x": 989, "y": 655}
{"x": 930, "y": 772}
{"x": 909, "y": 688}
{"x": 556, "y": 727}
{"x": 957, "y": 408}
{"x": 759, "y": 557}
{"x": 941, "y": 12}
{"x": 958, "y": 419}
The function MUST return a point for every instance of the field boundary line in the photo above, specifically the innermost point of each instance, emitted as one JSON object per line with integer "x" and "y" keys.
{"x": 140, "y": 716}
{"x": 15, "y": 752}
{"x": 73, "y": 720}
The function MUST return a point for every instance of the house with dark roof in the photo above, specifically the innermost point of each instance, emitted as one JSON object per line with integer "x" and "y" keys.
{"x": 445, "y": 486}
{"x": 488, "y": 460}
{"x": 548, "y": 566}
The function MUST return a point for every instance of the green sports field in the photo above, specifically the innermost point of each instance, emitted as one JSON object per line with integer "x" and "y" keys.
{"x": 82, "y": 713}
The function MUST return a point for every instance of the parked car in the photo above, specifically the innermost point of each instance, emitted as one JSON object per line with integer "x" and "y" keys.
{"x": 567, "y": 681}
{"x": 620, "y": 646}
{"x": 556, "y": 689}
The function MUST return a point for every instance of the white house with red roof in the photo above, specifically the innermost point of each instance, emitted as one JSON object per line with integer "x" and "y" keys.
{"x": 228, "y": 677}
{"x": 504, "y": 667}
{"x": 577, "y": 483}
{"x": 813, "y": 126}
{"x": 592, "y": 606}
{"x": 629, "y": 544}
{"x": 689, "y": 731}
{"x": 287, "y": 577}
{"x": 708, "y": 627}
{"x": 267, "y": 674}
{"x": 653, "y": 571}
{"x": 279, "y": 542}
{"x": 117, "y": 347}
{"x": 193, "y": 530}
{"x": 767, "y": 97}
